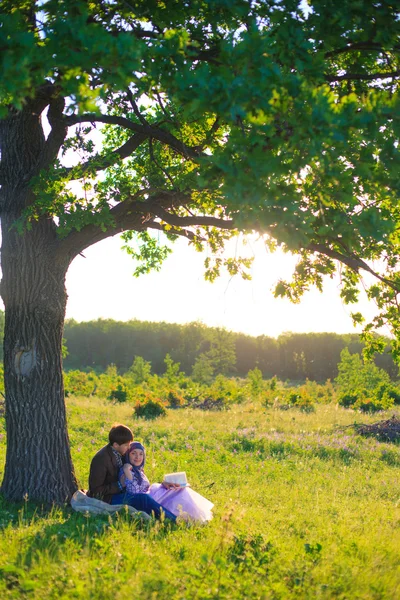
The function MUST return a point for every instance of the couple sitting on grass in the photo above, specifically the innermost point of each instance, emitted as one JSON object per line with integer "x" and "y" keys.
{"x": 117, "y": 477}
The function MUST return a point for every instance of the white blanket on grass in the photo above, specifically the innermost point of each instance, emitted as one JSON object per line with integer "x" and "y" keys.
{"x": 83, "y": 503}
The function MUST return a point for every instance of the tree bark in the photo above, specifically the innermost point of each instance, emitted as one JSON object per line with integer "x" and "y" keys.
{"x": 38, "y": 460}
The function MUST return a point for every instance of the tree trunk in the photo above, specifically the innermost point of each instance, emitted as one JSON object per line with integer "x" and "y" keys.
{"x": 38, "y": 461}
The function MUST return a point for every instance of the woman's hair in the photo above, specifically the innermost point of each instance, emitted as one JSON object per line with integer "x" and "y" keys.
{"x": 120, "y": 434}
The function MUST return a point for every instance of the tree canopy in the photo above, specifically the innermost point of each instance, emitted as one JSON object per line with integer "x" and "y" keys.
{"x": 218, "y": 117}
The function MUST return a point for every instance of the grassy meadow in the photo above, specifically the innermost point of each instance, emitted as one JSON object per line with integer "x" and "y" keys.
{"x": 304, "y": 508}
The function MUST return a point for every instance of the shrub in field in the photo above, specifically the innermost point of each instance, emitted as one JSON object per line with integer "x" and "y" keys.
{"x": 80, "y": 383}
{"x": 150, "y": 409}
{"x": 394, "y": 394}
{"x": 202, "y": 370}
{"x": 172, "y": 373}
{"x": 348, "y": 400}
{"x": 229, "y": 391}
{"x": 273, "y": 382}
{"x": 362, "y": 385}
{"x": 301, "y": 399}
{"x": 367, "y": 405}
{"x": 140, "y": 370}
{"x": 256, "y": 383}
{"x": 270, "y": 397}
{"x": 120, "y": 393}
{"x": 107, "y": 381}
{"x": 322, "y": 394}
{"x": 190, "y": 390}
{"x": 175, "y": 399}
{"x": 291, "y": 397}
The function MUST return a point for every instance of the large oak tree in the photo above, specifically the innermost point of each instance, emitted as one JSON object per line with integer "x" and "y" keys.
{"x": 216, "y": 117}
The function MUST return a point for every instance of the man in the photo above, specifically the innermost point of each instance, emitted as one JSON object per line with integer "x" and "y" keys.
{"x": 104, "y": 482}
{"x": 104, "y": 469}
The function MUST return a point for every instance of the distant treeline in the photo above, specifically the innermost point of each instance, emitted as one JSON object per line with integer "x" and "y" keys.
{"x": 294, "y": 356}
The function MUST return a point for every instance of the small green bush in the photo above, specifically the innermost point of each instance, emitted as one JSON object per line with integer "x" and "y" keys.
{"x": 394, "y": 395}
{"x": 121, "y": 393}
{"x": 230, "y": 391}
{"x": 150, "y": 409}
{"x": 80, "y": 383}
{"x": 140, "y": 371}
{"x": 347, "y": 400}
{"x": 273, "y": 383}
{"x": 368, "y": 406}
{"x": 296, "y": 398}
{"x": 175, "y": 399}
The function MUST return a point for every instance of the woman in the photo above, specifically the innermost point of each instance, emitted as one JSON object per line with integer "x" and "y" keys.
{"x": 180, "y": 501}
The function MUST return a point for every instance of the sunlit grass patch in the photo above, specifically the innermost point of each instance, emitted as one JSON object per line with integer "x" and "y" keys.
{"x": 304, "y": 508}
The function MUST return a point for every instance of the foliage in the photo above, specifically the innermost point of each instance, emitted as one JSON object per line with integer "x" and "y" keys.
{"x": 362, "y": 385}
{"x": 273, "y": 384}
{"x": 121, "y": 393}
{"x": 221, "y": 355}
{"x": 203, "y": 370}
{"x": 302, "y": 117}
{"x": 293, "y": 398}
{"x": 255, "y": 378}
{"x": 140, "y": 370}
{"x": 175, "y": 399}
{"x": 96, "y": 344}
{"x": 149, "y": 409}
{"x": 171, "y": 369}
{"x": 80, "y": 383}
{"x": 64, "y": 349}
{"x": 228, "y": 390}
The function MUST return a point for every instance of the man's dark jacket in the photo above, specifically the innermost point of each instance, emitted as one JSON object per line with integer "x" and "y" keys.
{"x": 103, "y": 476}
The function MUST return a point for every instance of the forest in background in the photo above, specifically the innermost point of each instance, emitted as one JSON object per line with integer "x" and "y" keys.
{"x": 94, "y": 345}
{"x": 294, "y": 356}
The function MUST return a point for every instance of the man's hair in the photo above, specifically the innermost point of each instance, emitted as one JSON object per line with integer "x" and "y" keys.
{"x": 120, "y": 434}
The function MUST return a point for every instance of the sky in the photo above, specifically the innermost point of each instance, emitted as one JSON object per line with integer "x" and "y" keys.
{"x": 100, "y": 284}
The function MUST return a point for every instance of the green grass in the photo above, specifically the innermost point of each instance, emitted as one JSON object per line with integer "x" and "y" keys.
{"x": 304, "y": 508}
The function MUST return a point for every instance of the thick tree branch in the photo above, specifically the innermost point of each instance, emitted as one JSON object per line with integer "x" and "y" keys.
{"x": 136, "y": 215}
{"x": 99, "y": 163}
{"x": 148, "y": 130}
{"x": 132, "y": 214}
{"x": 136, "y": 108}
{"x": 77, "y": 241}
{"x": 200, "y": 221}
{"x": 207, "y": 54}
{"x": 210, "y": 133}
{"x": 172, "y": 230}
{"x": 43, "y": 97}
{"x": 57, "y": 134}
{"x": 353, "y": 262}
{"x": 367, "y": 46}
